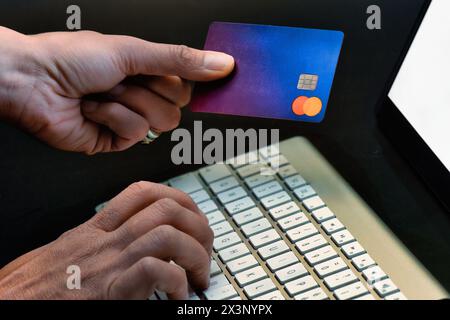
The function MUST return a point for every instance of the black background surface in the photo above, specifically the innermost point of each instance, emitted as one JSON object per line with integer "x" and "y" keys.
{"x": 44, "y": 192}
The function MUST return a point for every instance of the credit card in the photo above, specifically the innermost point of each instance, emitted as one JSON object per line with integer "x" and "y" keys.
{"x": 281, "y": 72}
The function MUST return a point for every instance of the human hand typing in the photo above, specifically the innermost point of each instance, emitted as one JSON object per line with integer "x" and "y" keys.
{"x": 123, "y": 252}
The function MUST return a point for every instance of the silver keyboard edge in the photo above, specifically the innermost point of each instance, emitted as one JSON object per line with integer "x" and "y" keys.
{"x": 407, "y": 272}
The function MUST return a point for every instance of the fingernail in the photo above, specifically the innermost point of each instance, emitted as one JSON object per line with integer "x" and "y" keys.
{"x": 218, "y": 61}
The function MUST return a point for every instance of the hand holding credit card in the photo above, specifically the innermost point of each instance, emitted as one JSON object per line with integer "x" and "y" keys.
{"x": 280, "y": 73}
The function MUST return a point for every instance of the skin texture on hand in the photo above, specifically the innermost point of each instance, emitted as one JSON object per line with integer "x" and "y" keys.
{"x": 88, "y": 92}
{"x": 123, "y": 252}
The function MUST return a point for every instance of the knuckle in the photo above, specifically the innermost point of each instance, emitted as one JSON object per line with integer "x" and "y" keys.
{"x": 166, "y": 206}
{"x": 173, "y": 119}
{"x": 209, "y": 234}
{"x": 165, "y": 234}
{"x": 187, "y": 58}
{"x": 147, "y": 266}
{"x": 139, "y": 187}
{"x": 180, "y": 277}
{"x": 109, "y": 109}
{"x": 141, "y": 131}
{"x": 185, "y": 96}
{"x": 183, "y": 196}
{"x": 202, "y": 269}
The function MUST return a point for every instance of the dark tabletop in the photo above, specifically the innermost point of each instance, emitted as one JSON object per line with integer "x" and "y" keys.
{"x": 44, "y": 192}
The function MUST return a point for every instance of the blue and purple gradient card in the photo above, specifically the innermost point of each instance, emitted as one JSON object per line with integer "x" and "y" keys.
{"x": 281, "y": 72}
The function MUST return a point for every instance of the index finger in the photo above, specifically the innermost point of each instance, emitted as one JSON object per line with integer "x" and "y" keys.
{"x": 136, "y": 198}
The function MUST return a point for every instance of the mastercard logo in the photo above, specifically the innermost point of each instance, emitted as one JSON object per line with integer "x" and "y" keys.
{"x": 310, "y": 107}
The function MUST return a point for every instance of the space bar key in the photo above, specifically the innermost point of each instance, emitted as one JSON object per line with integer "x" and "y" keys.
{"x": 222, "y": 293}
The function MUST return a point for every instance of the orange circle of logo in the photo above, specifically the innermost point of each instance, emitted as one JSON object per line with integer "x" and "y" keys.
{"x": 298, "y": 104}
{"x": 312, "y": 107}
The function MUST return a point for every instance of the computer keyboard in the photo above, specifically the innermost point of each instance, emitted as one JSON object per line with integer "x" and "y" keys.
{"x": 275, "y": 238}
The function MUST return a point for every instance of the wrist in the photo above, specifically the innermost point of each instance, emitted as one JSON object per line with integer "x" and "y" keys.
{"x": 17, "y": 73}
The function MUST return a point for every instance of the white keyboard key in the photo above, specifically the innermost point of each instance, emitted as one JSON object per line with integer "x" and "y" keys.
{"x": 320, "y": 255}
{"x": 214, "y": 269}
{"x": 275, "y": 200}
{"x": 257, "y": 180}
{"x": 226, "y": 241}
{"x": 264, "y": 238}
{"x": 313, "y": 203}
{"x": 278, "y": 161}
{"x": 353, "y": 249}
{"x": 223, "y": 185}
{"x": 218, "y": 281}
{"x": 304, "y": 192}
{"x": 281, "y": 261}
{"x": 215, "y": 172}
{"x": 270, "y": 151}
{"x": 255, "y": 227}
{"x": 222, "y": 293}
{"x": 329, "y": 267}
{"x": 241, "y": 264}
{"x": 284, "y": 210}
{"x": 323, "y": 214}
{"x": 340, "y": 279}
{"x": 252, "y": 169}
{"x": 287, "y": 171}
{"x": 374, "y": 274}
{"x": 244, "y": 159}
{"x": 342, "y": 237}
{"x": 267, "y": 189}
{"x": 199, "y": 196}
{"x": 233, "y": 252}
{"x": 215, "y": 217}
{"x": 161, "y": 295}
{"x": 249, "y": 276}
{"x": 273, "y": 249}
{"x": 193, "y": 296}
{"x": 396, "y": 296}
{"x": 259, "y": 288}
{"x": 295, "y": 220}
{"x": 363, "y": 261}
{"x": 231, "y": 195}
{"x": 385, "y": 287}
{"x": 274, "y": 295}
{"x": 311, "y": 243}
{"x": 268, "y": 171}
{"x": 187, "y": 183}
{"x": 100, "y": 207}
{"x": 365, "y": 297}
{"x": 351, "y": 291}
{"x": 207, "y": 206}
{"x": 302, "y": 232}
{"x": 247, "y": 216}
{"x": 239, "y": 205}
{"x": 333, "y": 225}
{"x": 221, "y": 228}
{"x": 292, "y": 272}
{"x": 314, "y": 294}
{"x": 295, "y": 182}
{"x": 300, "y": 285}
